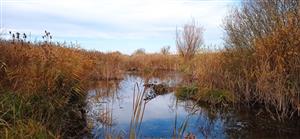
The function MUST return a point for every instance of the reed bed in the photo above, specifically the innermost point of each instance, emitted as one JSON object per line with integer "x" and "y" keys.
{"x": 50, "y": 80}
{"x": 43, "y": 85}
{"x": 147, "y": 63}
{"x": 260, "y": 62}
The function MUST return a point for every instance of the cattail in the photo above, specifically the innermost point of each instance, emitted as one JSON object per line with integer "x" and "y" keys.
{"x": 18, "y": 35}
{"x": 24, "y": 36}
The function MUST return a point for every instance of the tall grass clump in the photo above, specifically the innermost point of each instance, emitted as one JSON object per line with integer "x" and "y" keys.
{"x": 261, "y": 60}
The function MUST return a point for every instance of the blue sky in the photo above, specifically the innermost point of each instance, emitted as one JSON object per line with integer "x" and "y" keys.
{"x": 115, "y": 25}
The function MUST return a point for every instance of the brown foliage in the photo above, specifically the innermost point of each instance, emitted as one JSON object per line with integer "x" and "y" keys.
{"x": 30, "y": 66}
{"x": 151, "y": 62}
{"x": 46, "y": 84}
{"x": 261, "y": 62}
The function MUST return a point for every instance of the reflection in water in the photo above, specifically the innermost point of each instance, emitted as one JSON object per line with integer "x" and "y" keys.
{"x": 110, "y": 110}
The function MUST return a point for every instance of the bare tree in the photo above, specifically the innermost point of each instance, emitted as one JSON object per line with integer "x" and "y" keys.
{"x": 189, "y": 40}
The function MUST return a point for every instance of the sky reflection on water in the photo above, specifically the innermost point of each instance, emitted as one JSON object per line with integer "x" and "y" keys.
{"x": 159, "y": 115}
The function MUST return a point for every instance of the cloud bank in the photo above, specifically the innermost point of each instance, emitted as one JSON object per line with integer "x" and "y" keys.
{"x": 108, "y": 25}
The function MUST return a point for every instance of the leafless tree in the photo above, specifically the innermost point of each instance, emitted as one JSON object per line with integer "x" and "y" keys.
{"x": 189, "y": 40}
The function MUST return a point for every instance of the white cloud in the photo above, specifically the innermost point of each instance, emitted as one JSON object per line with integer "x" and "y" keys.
{"x": 108, "y": 19}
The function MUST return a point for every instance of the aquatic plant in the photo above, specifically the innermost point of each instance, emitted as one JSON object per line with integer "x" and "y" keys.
{"x": 18, "y": 37}
{"x": 181, "y": 127}
{"x": 138, "y": 107}
{"x": 47, "y": 37}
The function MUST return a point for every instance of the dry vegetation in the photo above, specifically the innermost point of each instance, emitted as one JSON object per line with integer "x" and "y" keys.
{"x": 151, "y": 62}
{"x": 42, "y": 85}
{"x": 263, "y": 54}
{"x": 260, "y": 62}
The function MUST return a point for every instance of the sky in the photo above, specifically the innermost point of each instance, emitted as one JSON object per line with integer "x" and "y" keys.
{"x": 115, "y": 25}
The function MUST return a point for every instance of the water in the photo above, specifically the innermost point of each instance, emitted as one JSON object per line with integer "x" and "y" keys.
{"x": 110, "y": 109}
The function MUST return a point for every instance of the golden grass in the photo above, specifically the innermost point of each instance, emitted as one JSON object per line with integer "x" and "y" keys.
{"x": 50, "y": 81}
{"x": 32, "y": 64}
{"x": 42, "y": 85}
{"x": 269, "y": 76}
{"x": 152, "y": 62}
{"x": 260, "y": 61}
{"x": 45, "y": 84}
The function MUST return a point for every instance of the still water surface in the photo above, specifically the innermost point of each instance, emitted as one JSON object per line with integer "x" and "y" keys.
{"x": 110, "y": 108}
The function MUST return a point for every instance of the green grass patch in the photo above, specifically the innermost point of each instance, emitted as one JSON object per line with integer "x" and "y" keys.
{"x": 210, "y": 96}
{"x": 214, "y": 96}
{"x": 186, "y": 92}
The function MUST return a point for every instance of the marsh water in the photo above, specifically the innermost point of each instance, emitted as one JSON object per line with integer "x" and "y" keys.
{"x": 110, "y": 110}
